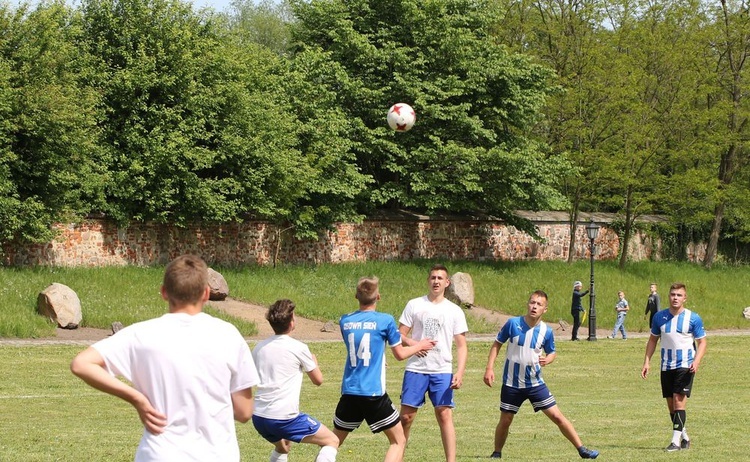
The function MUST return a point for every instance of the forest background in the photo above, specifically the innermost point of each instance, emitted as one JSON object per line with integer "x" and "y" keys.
{"x": 151, "y": 110}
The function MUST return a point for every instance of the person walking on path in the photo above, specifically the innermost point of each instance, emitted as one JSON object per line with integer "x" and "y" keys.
{"x": 683, "y": 345}
{"x": 576, "y": 308}
{"x": 531, "y": 346}
{"x": 621, "y": 309}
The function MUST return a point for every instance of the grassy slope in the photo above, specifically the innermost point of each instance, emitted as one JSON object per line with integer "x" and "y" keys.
{"x": 325, "y": 292}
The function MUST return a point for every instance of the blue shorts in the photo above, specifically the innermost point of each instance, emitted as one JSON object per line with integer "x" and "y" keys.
{"x": 438, "y": 386}
{"x": 295, "y": 429}
{"x": 540, "y": 397}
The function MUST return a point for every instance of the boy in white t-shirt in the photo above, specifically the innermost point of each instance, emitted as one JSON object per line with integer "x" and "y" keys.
{"x": 192, "y": 374}
{"x": 281, "y": 360}
{"x": 434, "y": 317}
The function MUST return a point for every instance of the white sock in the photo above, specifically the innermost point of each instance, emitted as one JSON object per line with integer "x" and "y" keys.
{"x": 327, "y": 454}
{"x": 676, "y": 437}
{"x": 277, "y": 457}
{"x": 685, "y": 435}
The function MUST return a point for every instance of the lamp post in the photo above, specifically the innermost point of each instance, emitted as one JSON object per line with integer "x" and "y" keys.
{"x": 592, "y": 231}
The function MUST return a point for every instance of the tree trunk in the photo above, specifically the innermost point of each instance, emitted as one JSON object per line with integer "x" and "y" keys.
{"x": 713, "y": 240}
{"x": 574, "y": 222}
{"x": 628, "y": 227}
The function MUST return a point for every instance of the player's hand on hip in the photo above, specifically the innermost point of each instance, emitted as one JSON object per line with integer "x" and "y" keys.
{"x": 153, "y": 420}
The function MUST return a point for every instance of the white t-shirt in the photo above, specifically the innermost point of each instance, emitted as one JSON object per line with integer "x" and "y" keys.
{"x": 280, "y": 360}
{"x": 188, "y": 366}
{"x": 437, "y": 321}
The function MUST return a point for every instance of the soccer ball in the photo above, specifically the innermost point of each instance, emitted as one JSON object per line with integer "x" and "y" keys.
{"x": 401, "y": 117}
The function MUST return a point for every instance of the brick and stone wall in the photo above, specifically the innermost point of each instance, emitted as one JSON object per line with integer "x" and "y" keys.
{"x": 404, "y": 237}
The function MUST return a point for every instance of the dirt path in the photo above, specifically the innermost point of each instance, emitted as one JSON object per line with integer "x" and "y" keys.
{"x": 318, "y": 331}
{"x": 306, "y": 329}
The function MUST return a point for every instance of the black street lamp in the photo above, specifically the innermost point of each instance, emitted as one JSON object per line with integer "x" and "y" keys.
{"x": 592, "y": 231}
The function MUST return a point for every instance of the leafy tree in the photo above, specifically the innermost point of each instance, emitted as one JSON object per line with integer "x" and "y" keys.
{"x": 265, "y": 23}
{"x": 475, "y": 103}
{"x": 48, "y": 128}
{"x": 730, "y": 46}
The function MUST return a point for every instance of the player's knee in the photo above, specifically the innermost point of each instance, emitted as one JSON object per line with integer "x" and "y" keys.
{"x": 407, "y": 419}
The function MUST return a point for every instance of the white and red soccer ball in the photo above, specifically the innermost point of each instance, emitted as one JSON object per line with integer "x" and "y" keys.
{"x": 401, "y": 117}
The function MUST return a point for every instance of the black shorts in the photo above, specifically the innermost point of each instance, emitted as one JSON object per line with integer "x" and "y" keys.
{"x": 676, "y": 381}
{"x": 378, "y": 411}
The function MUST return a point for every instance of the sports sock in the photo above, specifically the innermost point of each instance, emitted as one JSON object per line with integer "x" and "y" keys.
{"x": 277, "y": 457}
{"x": 684, "y": 434}
{"x": 678, "y": 424}
{"x": 327, "y": 454}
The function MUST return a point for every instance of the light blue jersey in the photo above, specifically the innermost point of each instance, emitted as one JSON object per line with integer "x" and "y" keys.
{"x": 525, "y": 345}
{"x": 677, "y": 334}
{"x": 365, "y": 334}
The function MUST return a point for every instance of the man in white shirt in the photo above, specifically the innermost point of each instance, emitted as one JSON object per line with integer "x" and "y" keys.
{"x": 192, "y": 374}
{"x": 434, "y": 317}
{"x": 281, "y": 361}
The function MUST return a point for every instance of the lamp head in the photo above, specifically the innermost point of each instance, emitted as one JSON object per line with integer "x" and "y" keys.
{"x": 592, "y": 230}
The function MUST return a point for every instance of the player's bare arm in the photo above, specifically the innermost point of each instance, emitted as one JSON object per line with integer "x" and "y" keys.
{"x": 547, "y": 359}
{"x": 489, "y": 370}
{"x": 90, "y": 367}
{"x": 242, "y": 405}
{"x": 699, "y": 352}
{"x": 401, "y": 352}
{"x": 462, "y": 354}
{"x": 650, "y": 348}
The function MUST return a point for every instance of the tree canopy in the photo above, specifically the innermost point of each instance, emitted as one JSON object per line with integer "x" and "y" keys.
{"x": 150, "y": 110}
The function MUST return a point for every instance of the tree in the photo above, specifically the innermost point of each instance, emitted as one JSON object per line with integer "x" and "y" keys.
{"x": 475, "y": 103}
{"x": 48, "y": 128}
{"x": 731, "y": 49}
{"x": 265, "y": 23}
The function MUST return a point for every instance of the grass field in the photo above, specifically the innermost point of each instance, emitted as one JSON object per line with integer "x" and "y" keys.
{"x": 48, "y": 415}
{"x": 325, "y": 292}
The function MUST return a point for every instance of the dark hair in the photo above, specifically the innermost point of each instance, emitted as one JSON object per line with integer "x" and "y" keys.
{"x": 280, "y": 314}
{"x": 367, "y": 290}
{"x": 185, "y": 279}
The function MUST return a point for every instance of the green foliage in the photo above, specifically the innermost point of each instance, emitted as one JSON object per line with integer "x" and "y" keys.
{"x": 48, "y": 171}
{"x": 264, "y": 23}
{"x": 475, "y": 102}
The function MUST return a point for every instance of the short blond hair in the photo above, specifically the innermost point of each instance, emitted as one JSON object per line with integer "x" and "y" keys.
{"x": 367, "y": 290}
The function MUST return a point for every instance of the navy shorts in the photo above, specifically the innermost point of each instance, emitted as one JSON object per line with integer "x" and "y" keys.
{"x": 378, "y": 411}
{"x": 676, "y": 382}
{"x": 437, "y": 386}
{"x": 540, "y": 397}
{"x": 274, "y": 430}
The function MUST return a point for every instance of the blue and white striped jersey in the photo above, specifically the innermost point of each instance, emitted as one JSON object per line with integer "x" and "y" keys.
{"x": 524, "y": 346}
{"x": 677, "y": 335}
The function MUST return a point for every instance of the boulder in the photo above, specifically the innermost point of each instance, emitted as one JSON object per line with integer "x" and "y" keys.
{"x": 61, "y": 304}
{"x": 218, "y": 285}
{"x": 461, "y": 290}
{"x": 746, "y": 312}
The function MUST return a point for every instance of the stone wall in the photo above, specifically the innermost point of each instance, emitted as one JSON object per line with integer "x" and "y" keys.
{"x": 403, "y": 237}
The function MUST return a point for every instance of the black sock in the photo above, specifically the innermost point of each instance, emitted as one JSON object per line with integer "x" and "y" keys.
{"x": 678, "y": 420}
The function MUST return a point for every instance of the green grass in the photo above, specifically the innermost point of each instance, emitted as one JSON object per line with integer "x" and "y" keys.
{"x": 325, "y": 292}
{"x": 46, "y": 414}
